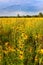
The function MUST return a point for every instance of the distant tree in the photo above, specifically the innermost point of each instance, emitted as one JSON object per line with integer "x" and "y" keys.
{"x": 40, "y": 14}
{"x": 28, "y": 16}
{"x": 18, "y": 15}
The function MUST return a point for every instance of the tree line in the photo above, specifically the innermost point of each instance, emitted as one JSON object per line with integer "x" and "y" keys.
{"x": 38, "y": 15}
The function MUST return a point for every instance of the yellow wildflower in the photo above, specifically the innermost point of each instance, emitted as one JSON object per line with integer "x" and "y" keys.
{"x": 21, "y": 57}
{"x": 21, "y": 52}
{"x": 6, "y": 43}
{"x": 21, "y": 45}
{"x": 17, "y": 49}
{"x": 36, "y": 37}
{"x": 11, "y": 49}
{"x": 24, "y": 36}
{"x": 36, "y": 58}
{"x": 0, "y": 47}
{"x": 5, "y": 51}
{"x": 19, "y": 41}
{"x": 0, "y": 56}
{"x": 41, "y": 51}
{"x": 30, "y": 49}
{"x": 39, "y": 36}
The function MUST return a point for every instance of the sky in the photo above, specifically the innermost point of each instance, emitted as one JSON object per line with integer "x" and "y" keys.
{"x": 21, "y": 7}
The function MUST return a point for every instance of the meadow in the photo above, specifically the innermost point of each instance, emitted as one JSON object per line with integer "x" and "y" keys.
{"x": 21, "y": 41}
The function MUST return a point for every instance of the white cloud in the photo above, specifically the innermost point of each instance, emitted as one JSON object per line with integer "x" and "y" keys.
{"x": 16, "y": 1}
{"x": 4, "y": 0}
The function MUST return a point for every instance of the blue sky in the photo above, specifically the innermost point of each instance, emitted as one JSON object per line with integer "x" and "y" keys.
{"x": 22, "y": 7}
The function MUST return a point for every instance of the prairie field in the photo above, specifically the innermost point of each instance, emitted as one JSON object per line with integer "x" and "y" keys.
{"x": 21, "y": 41}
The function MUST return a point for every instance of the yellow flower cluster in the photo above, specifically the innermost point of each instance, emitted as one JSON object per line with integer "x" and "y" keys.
{"x": 8, "y": 48}
{"x": 25, "y": 36}
{"x": 11, "y": 49}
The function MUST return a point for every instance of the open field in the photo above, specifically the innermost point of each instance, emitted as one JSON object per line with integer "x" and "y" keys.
{"x": 21, "y": 41}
